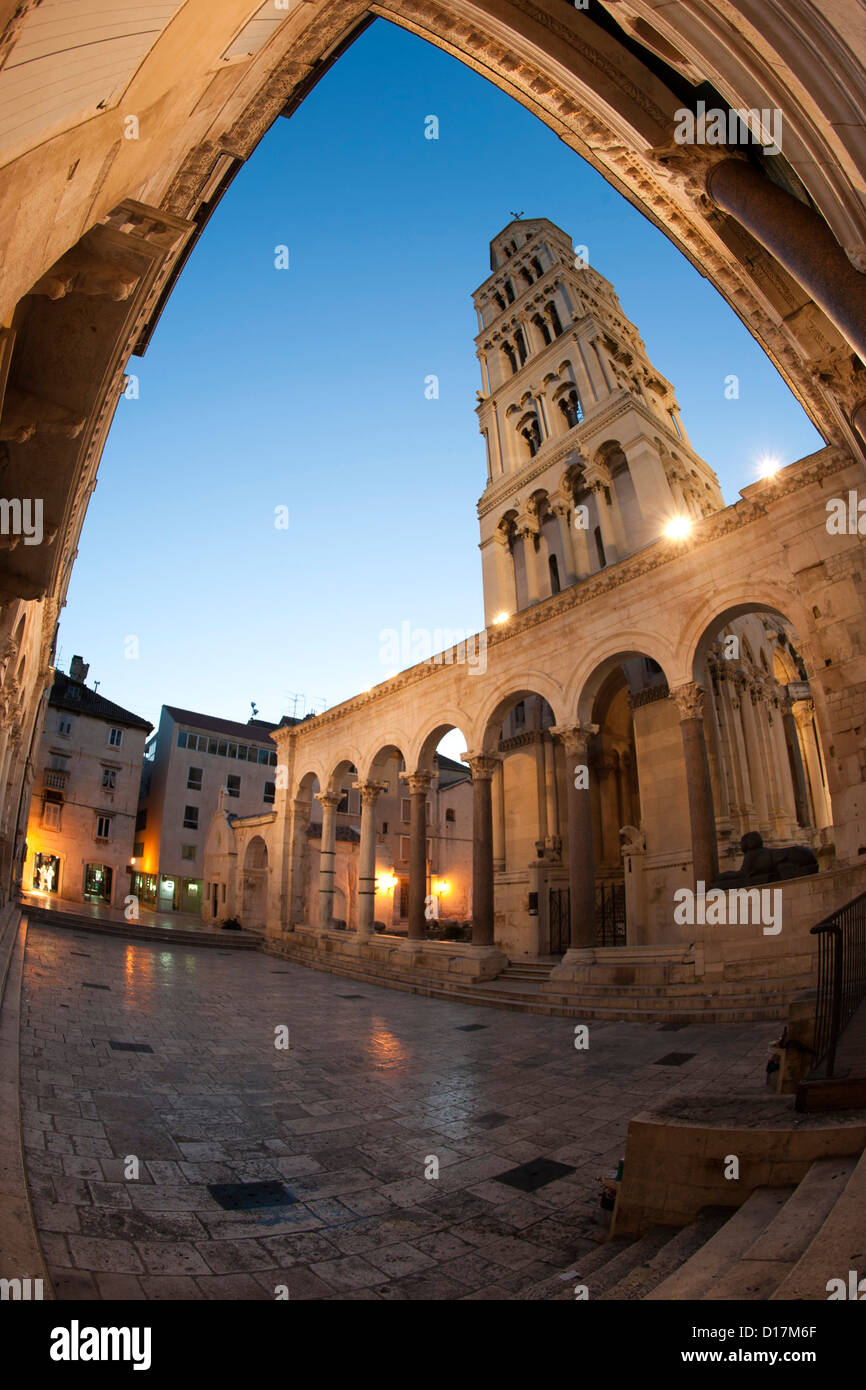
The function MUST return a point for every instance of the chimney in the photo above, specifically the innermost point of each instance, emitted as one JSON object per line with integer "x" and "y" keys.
{"x": 78, "y": 670}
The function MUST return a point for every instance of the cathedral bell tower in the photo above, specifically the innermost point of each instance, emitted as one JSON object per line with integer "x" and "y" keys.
{"x": 587, "y": 458}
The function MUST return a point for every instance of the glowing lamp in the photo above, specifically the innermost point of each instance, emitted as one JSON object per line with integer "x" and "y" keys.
{"x": 386, "y": 883}
{"x": 442, "y": 887}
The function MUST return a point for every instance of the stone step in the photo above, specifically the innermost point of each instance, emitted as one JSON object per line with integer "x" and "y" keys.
{"x": 572, "y": 1007}
{"x": 636, "y": 1254}
{"x": 837, "y": 1247}
{"x": 776, "y": 1251}
{"x": 693, "y": 989}
{"x": 558, "y": 1287}
{"x": 726, "y": 1248}
{"x": 646, "y": 1276}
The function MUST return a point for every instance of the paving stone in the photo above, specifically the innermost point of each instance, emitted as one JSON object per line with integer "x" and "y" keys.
{"x": 349, "y": 1137}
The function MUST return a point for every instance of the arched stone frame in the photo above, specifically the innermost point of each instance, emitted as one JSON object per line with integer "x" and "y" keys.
{"x": 423, "y": 744}
{"x": 607, "y": 106}
{"x": 254, "y": 883}
{"x": 488, "y": 778}
{"x": 821, "y": 772}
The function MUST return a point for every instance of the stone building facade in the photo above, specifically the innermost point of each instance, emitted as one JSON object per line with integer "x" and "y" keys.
{"x": 96, "y": 226}
{"x": 86, "y": 774}
{"x": 645, "y": 701}
{"x": 193, "y": 762}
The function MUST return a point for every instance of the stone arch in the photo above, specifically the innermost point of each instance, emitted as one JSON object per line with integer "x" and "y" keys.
{"x": 309, "y": 782}
{"x": 254, "y": 877}
{"x": 390, "y": 744}
{"x": 735, "y": 600}
{"x": 424, "y": 744}
{"x": 766, "y": 737}
{"x": 344, "y": 764}
{"x": 628, "y": 646}
{"x": 531, "y": 683}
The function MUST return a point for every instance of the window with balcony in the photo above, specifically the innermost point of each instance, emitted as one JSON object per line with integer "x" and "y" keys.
{"x": 109, "y": 779}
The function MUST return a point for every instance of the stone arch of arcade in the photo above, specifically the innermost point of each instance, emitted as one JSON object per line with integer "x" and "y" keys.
{"x": 96, "y": 226}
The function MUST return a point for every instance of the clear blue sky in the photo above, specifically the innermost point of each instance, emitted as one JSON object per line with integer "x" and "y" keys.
{"x": 304, "y": 388}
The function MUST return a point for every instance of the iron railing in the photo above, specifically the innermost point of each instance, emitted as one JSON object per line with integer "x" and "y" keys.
{"x": 610, "y": 928}
{"x": 841, "y": 977}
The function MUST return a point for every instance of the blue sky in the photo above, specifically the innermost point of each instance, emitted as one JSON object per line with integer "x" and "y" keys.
{"x": 304, "y": 388}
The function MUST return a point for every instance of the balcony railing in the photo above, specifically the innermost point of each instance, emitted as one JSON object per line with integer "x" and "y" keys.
{"x": 55, "y": 777}
{"x": 841, "y": 977}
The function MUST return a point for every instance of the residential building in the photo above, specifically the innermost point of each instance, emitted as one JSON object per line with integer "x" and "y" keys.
{"x": 188, "y": 763}
{"x": 85, "y": 795}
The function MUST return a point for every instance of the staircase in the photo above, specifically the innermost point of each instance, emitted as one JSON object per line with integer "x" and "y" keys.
{"x": 782, "y": 1243}
{"x": 525, "y": 986}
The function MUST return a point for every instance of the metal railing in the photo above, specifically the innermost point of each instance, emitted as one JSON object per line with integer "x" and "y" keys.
{"x": 55, "y": 777}
{"x": 610, "y": 926}
{"x": 841, "y": 977}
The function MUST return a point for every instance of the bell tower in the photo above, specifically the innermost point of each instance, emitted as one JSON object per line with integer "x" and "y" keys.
{"x": 587, "y": 457}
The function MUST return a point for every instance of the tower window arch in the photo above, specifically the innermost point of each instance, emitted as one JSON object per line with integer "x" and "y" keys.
{"x": 555, "y": 321}
{"x": 570, "y": 405}
{"x": 499, "y": 300}
{"x": 509, "y": 291}
{"x": 525, "y": 275}
{"x": 521, "y": 345}
{"x": 531, "y": 431}
{"x": 536, "y": 266}
{"x": 542, "y": 328}
{"x": 553, "y": 566}
{"x": 511, "y": 355}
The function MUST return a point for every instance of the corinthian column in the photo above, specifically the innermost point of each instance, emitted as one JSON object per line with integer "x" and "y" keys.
{"x": 581, "y": 858}
{"x": 689, "y": 700}
{"x": 419, "y": 785}
{"x": 483, "y": 767}
{"x": 370, "y": 792}
{"x": 327, "y": 855}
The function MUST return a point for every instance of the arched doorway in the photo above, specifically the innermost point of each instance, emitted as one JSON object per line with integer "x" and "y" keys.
{"x": 254, "y": 896}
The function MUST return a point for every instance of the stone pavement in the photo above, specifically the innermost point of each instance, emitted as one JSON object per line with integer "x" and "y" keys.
{"x": 347, "y": 1118}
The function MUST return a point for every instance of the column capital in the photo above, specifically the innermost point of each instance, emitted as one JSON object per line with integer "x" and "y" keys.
{"x": 597, "y": 476}
{"x": 574, "y": 737}
{"x": 369, "y": 791}
{"x": 330, "y": 800}
{"x": 417, "y": 782}
{"x": 482, "y": 765}
{"x": 689, "y": 700}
